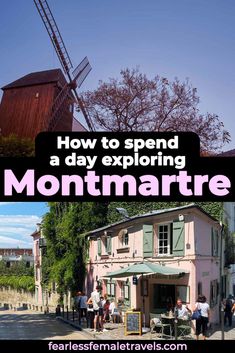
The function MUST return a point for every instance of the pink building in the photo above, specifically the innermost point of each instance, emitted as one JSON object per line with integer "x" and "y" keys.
{"x": 46, "y": 299}
{"x": 37, "y": 267}
{"x": 185, "y": 239}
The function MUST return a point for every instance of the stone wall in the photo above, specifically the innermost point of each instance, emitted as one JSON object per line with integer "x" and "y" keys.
{"x": 20, "y": 299}
{"x": 15, "y": 298}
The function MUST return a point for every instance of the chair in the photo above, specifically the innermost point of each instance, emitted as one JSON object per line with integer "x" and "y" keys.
{"x": 183, "y": 328}
{"x": 163, "y": 328}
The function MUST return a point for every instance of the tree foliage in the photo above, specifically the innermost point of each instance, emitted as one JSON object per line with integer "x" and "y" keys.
{"x": 19, "y": 268}
{"x": 18, "y": 282}
{"x": 66, "y": 253}
{"x": 137, "y": 103}
{"x": 13, "y": 146}
{"x": 137, "y": 208}
{"x": 18, "y": 276}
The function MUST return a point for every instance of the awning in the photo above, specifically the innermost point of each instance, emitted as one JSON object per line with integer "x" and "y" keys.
{"x": 144, "y": 268}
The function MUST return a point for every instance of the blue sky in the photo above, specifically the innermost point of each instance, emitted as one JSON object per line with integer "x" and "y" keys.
{"x": 18, "y": 221}
{"x": 183, "y": 38}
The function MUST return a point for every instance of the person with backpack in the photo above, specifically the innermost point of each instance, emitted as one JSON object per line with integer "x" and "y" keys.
{"x": 228, "y": 313}
{"x": 203, "y": 320}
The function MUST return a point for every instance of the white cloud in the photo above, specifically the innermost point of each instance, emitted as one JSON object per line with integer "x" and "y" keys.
{"x": 15, "y": 230}
{"x": 7, "y": 203}
{"x": 19, "y": 219}
{"x": 11, "y": 242}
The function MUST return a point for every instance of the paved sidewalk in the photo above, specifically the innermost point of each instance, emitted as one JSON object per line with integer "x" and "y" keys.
{"x": 116, "y": 332}
{"x": 229, "y": 332}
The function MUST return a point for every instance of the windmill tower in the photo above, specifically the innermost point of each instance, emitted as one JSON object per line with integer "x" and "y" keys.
{"x": 44, "y": 101}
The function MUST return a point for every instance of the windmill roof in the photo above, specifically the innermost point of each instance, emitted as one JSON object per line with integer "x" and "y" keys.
{"x": 38, "y": 78}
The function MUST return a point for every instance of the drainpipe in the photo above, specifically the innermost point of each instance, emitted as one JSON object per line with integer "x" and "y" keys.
{"x": 221, "y": 306}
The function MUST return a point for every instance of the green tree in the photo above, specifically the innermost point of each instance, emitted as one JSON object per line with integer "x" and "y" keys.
{"x": 13, "y": 146}
{"x": 137, "y": 103}
{"x": 215, "y": 209}
{"x": 18, "y": 276}
{"x": 64, "y": 261}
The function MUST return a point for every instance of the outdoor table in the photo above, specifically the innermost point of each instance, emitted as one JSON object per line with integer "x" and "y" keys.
{"x": 168, "y": 320}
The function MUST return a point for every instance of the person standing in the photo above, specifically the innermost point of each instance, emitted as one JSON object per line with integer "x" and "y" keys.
{"x": 90, "y": 314}
{"x": 203, "y": 321}
{"x": 83, "y": 306}
{"x": 228, "y": 312}
{"x": 77, "y": 302}
{"x": 98, "y": 310}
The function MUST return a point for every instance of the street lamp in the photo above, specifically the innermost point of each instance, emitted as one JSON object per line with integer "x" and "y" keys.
{"x": 123, "y": 212}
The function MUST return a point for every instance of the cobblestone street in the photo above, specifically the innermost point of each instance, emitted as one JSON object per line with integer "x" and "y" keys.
{"x": 29, "y": 325}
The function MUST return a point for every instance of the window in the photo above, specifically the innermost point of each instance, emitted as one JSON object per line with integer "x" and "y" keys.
{"x": 71, "y": 108}
{"x": 182, "y": 292}
{"x": 125, "y": 239}
{"x": 111, "y": 289}
{"x": 199, "y": 288}
{"x": 104, "y": 245}
{"x": 213, "y": 294}
{"x": 163, "y": 294}
{"x": 164, "y": 247}
{"x": 105, "y": 242}
{"x": 171, "y": 239}
{"x": 126, "y": 291}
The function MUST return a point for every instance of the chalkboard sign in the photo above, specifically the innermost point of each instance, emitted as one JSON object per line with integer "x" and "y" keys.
{"x": 133, "y": 323}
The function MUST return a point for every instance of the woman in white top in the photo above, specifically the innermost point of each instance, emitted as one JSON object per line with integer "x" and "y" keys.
{"x": 202, "y": 322}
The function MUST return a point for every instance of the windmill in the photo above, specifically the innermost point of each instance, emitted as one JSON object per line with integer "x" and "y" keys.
{"x": 75, "y": 77}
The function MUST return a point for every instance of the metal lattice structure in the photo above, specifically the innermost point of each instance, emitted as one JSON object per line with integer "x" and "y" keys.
{"x": 79, "y": 74}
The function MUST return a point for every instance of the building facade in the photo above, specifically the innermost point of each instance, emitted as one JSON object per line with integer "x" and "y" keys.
{"x": 14, "y": 255}
{"x": 46, "y": 299}
{"x": 186, "y": 239}
{"x": 229, "y": 220}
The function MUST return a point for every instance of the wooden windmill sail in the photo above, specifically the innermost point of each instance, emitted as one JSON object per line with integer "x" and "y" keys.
{"x": 75, "y": 77}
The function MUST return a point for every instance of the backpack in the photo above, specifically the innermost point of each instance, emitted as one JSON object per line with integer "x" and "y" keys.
{"x": 228, "y": 306}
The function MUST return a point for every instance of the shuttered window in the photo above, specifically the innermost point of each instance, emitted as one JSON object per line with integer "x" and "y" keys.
{"x": 178, "y": 239}
{"x": 164, "y": 239}
{"x": 170, "y": 239}
{"x": 99, "y": 246}
{"x": 147, "y": 240}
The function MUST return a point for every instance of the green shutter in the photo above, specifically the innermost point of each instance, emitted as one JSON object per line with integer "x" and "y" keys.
{"x": 109, "y": 245}
{"x": 212, "y": 241}
{"x": 147, "y": 240}
{"x": 178, "y": 238}
{"x": 216, "y": 243}
{"x": 99, "y": 246}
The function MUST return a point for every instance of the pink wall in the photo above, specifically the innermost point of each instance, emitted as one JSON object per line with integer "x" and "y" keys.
{"x": 197, "y": 259}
